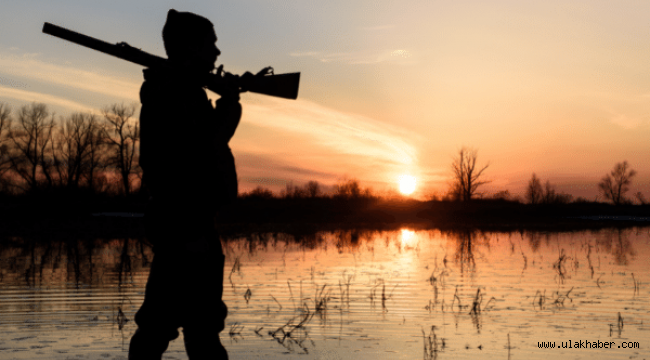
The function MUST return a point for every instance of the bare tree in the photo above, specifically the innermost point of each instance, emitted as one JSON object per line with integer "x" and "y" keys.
{"x": 549, "y": 194}
{"x": 29, "y": 156}
{"x": 259, "y": 193}
{"x": 466, "y": 176}
{"x": 77, "y": 149}
{"x": 122, "y": 134}
{"x": 350, "y": 189}
{"x": 615, "y": 184}
{"x": 5, "y": 124}
{"x": 292, "y": 191}
{"x": 96, "y": 145}
{"x": 534, "y": 190}
{"x": 313, "y": 189}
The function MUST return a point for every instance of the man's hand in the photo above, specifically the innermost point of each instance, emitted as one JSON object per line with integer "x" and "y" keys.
{"x": 248, "y": 78}
{"x": 230, "y": 84}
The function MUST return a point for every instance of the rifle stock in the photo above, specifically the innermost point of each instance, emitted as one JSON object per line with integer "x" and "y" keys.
{"x": 280, "y": 85}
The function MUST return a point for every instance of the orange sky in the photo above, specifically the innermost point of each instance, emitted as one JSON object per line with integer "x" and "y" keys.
{"x": 387, "y": 89}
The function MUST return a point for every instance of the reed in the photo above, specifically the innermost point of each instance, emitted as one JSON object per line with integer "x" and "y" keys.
{"x": 236, "y": 266}
{"x": 619, "y": 326}
{"x": 121, "y": 319}
{"x": 320, "y": 301}
{"x": 431, "y": 345}
{"x": 235, "y": 330}
{"x": 284, "y": 335}
{"x": 636, "y": 285}
{"x": 559, "y": 265}
{"x": 276, "y": 300}
{"x": 257, "y": 331}
{"x": 476, "y": 304}
{"x": 247, "y": 295}
{"x": 456, "y": 297}
{"x": 560, "y": 298}
{"x": 539, "y": 300}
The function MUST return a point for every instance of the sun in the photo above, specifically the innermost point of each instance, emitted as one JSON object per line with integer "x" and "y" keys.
{"x": 406, "y": 184}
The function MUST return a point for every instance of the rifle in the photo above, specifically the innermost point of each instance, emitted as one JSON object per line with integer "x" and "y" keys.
{"x": 267, "y": 83}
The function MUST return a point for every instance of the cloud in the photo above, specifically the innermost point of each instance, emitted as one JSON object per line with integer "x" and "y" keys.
{"x": 281, "y": 169}
{"x": 628, "y": 122}
{"x": 28, "y": 66}
{"x": 30, "y": 96}
{"x": 342, "y": 133}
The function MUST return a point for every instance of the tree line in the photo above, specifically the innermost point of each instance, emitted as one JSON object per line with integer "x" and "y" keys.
{"x": 80, "y": 151}
{"x": 99, "y": 152}
{"x": 467, "y": 177}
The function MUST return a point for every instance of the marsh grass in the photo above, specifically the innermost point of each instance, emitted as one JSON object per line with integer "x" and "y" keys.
{"x": 235, "y": 330}
{"x": 591, "y": 267}
{"x": 277, "y": 302}
{"x": 344, "y": 288}
{"x": 539, "y": 300}
{"x": 558, "y": 299}
{"x": 247, "y": 295}
{"x": 636, "y": 285}
{"x": 121, "y": 319}
{"x": 320, "y": 301}
{"x": 431, "y": 344}
{"x": 559, "y": 266}
{"x": 294, "y": 333}
{"x": 435, "y": 280}
{"x": 619, "y": 326}
{"x": 456, "y": 297}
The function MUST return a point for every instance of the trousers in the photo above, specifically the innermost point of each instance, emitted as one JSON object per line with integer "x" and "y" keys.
{"x": 184, "y": 290}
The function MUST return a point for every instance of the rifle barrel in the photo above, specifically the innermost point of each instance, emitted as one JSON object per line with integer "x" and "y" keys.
{"x": 280, "y": 85}
{"x": 122, "y": 50}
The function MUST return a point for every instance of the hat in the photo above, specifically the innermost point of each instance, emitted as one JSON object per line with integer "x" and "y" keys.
{"x": 184, "y": 30}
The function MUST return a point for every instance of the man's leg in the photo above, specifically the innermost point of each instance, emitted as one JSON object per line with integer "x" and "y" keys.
{"x": 157, "y": 319}
{"x": 205, "y": 313}
{"x": 201, "y": 344}
{"x": 147, "y": 345}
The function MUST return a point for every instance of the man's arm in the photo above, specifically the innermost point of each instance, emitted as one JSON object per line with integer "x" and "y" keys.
{"x": 228, "y": 112}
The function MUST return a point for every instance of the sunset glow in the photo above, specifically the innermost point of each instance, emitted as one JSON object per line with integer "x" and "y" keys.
{"x": 407, "y": 237}
{"x": 384, "y": 87}
{"x": 407, "y": 184}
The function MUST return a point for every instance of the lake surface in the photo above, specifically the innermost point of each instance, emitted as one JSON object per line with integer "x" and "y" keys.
{"x": 404, "y": 294}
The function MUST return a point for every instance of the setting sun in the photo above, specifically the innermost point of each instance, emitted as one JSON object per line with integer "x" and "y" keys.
{"x": 406, "y": 184}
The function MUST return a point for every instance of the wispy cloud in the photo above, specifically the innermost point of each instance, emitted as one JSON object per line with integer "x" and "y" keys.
{"x": 342, "y": 133}
{"x": 30, "y": 96}
{"x": 29, "y": 66}
{"x": 260, "y": 168}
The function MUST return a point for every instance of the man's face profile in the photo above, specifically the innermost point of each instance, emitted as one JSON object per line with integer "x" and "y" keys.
{"x": 190, "y": 41}
{"x": 208, "y": 53}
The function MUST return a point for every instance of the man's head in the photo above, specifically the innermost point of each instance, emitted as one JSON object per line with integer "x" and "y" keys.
{"x": 190, "y": 40}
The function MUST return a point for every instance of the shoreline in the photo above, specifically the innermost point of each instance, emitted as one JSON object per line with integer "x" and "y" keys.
{"x": 112, "y": 217}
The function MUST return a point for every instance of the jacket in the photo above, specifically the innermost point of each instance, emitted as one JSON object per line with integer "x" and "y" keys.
{"x": 187, "y": 164}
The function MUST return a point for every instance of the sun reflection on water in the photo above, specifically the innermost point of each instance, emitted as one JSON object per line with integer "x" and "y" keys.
{"x": 407, "y": 238}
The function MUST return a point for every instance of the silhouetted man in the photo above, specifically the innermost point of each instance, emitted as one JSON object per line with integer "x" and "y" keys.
{"x": 190, "y": 173}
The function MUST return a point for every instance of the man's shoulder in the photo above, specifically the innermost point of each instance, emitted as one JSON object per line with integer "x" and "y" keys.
{"x": 164, "y": 85}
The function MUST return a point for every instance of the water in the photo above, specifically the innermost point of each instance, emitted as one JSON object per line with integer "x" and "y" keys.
{"x": 405, "y": 294}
